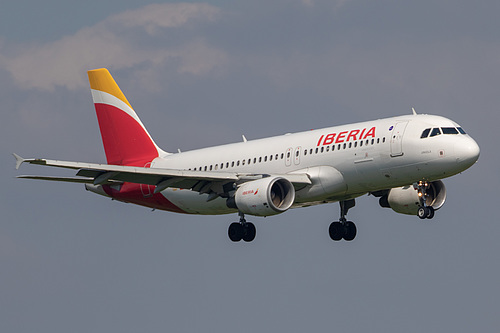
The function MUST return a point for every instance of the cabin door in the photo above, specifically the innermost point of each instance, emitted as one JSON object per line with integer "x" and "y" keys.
{"x": 397, "y": 139}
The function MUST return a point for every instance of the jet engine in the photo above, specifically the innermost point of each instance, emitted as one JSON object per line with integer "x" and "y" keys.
{"x": 406, "y": 200}
{"x": 263, "y": 197}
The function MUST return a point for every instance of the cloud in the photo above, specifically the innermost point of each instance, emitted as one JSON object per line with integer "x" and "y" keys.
{"x": 116, "y": 43}
{"x": 156, "y": 16}
{"x": 336, "y": 4}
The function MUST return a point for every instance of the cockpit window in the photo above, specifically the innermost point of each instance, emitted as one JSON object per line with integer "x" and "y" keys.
{"x": 461, "y": 130}
{"x": 449, "y": 130}
{"x": 435, "y": 131}
{"x": 425, "y": 133}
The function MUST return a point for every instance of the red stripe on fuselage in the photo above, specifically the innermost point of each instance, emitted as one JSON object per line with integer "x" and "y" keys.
{"x": 125, "y": 140}
{"x": 141, "y": 194}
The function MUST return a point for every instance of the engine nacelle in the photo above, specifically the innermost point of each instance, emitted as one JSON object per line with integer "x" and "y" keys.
{"x": 263, "y": 197}
{"x": 405, "y": 200}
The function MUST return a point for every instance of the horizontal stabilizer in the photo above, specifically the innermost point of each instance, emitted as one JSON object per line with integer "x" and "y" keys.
{"x": 64, "y": 179}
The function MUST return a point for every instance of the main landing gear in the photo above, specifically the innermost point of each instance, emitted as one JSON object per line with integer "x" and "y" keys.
{"x": 242, "y": 230}
{"x": 343, "y": 228}
{"x": 424, "y": 211}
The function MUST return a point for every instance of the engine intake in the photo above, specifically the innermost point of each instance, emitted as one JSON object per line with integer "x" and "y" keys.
{"x": 405, "y": 200}
{"x": 263, "y": 197}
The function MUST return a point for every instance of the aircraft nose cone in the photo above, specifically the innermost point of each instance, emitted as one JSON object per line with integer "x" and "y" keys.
{"x": 467, "y": 152}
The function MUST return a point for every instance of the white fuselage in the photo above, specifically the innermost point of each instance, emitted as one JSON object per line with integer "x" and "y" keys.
{"x": 343, "y": 161}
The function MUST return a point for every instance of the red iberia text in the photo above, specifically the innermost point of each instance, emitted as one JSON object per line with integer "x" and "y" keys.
{"x": 346, "y": 136}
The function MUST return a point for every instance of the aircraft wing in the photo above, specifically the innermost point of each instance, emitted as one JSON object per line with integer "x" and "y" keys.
{"x": 200, "y": 181}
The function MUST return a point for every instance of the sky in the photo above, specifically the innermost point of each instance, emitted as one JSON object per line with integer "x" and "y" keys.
{"x": 204, "y": 73}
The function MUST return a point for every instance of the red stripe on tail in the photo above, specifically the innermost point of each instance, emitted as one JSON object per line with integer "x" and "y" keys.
{"x": 125, "y": 141}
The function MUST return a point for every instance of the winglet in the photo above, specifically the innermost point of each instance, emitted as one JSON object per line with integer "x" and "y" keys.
{"x": 19, "y": 160}
{"x": 414, "y": 112}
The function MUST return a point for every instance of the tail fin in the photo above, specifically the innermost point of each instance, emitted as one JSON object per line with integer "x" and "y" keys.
{"x": 126, "y": 141}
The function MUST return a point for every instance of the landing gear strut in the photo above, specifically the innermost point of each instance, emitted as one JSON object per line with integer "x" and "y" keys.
{"x": 424, "y": 211}
{"x": 242, "y": 230}
{"x": 343, "y": 228}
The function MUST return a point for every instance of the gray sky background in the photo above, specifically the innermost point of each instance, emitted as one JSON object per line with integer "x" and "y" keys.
{"x": 202, "y": 74}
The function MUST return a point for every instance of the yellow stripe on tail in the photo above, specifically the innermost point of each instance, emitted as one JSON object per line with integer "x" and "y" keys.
{"x": 101, "y": 79}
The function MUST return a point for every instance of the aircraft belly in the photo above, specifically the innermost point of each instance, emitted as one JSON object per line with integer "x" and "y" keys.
{"x": 195, "y": 203}
{"x": 326, "y": 182}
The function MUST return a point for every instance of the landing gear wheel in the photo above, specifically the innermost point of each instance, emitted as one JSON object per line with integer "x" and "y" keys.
{"x": 336, "y": 231}
{"x": 423, "y": 212}
{"x": 235, "y": 232}
{"x": 249, "y": 232}
{"x": 430, "y": 215}
{"x": 349, "y": 231}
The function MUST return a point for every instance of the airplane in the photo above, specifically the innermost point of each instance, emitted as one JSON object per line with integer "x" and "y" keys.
{"x": 400, "y": 160}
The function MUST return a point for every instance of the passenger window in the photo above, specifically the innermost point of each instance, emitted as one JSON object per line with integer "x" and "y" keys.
{"x": 260, "y": 159}
{"x": 461, "y": 130}
{"x": 361, "y": 143}
{"x": 232, "y": 164}
{"x": 265, "y": 158}
{"x": 449, "y": 130}
{"x": 305, "y": 152}
{"x": 322, "y": 149}
{"x": 270, "y": 157}
{"x": 355, "y": 144}
{"x": 310, "y": 151}
{"x": 243, "y": 162}
{"x": 282, "y": 155}
{"x": 333, "y": 147}
{"x": 425, "y": 133}
{"x": 327, "y": 149}
{"x": 435, "y": 131}
{"x": 254, "y": 160}
{"x": 345, "y": 145}
{"x": 237, "y": 163}
{"x": 350, "y": 144}
{"x": 316, "y": 150}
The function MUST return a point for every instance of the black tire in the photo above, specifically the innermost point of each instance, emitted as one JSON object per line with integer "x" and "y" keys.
{"x": 249, "y": 232}
{"x": 336, "y": 231}
{"x": 235, "y": 232}
{"x": 430, "y": 214}
{"x": 350, "y": 231}
{"x": 423, "y": 212}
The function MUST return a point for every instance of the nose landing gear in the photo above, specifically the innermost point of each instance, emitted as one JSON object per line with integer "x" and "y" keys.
{"x": 424, "y": 211}
{"x": 343, "y": 228}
